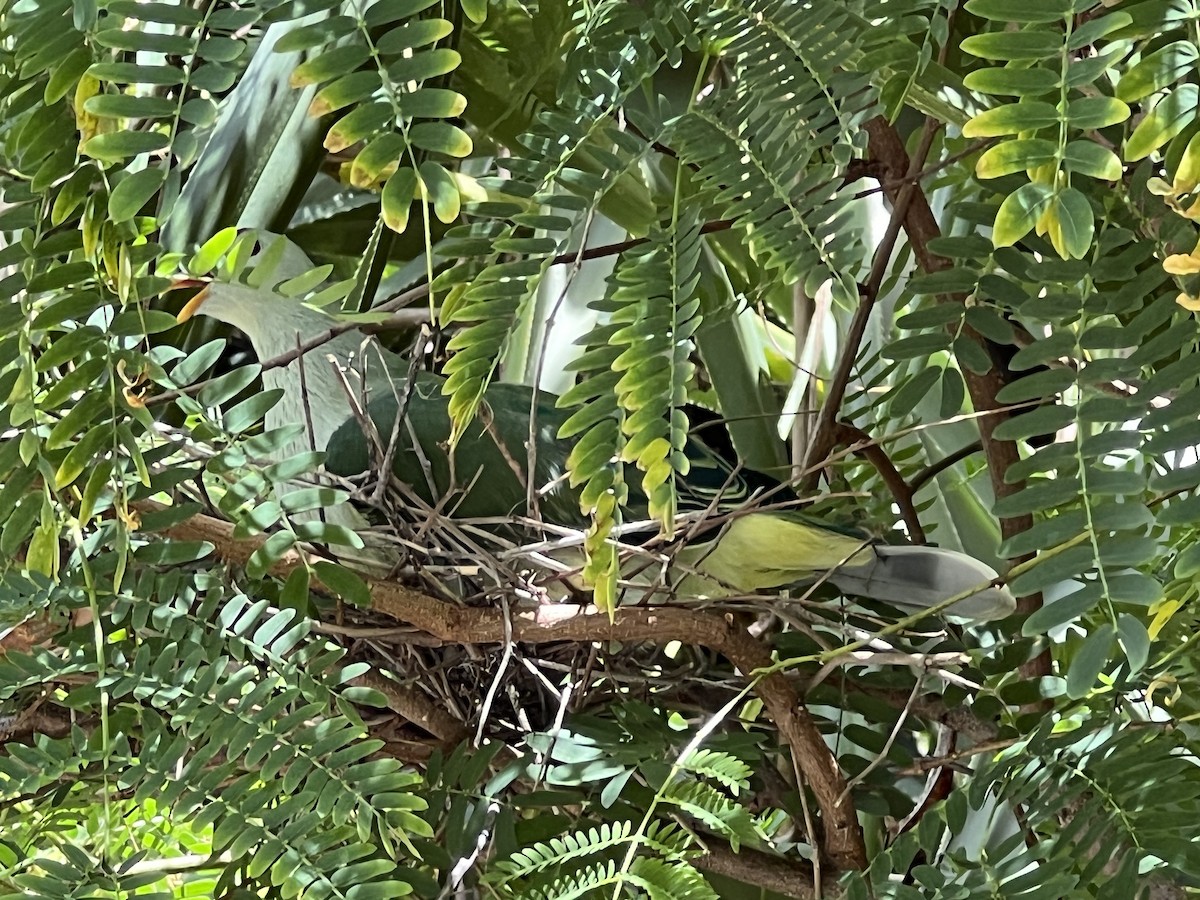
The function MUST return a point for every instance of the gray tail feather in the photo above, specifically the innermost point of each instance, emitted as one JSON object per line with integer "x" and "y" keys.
{"x": 921, "y": 577}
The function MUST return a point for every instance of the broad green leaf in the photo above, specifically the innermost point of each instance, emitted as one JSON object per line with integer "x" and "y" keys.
{"x": 424, "y": 65}
{"x": 271, "y": 551}
{"x": 1012, "y": 118}
{"x": 294, "y": 594}
{"x": 359, "y": 124}
{"x": 378, "y": 159}
{"x": 319, "y": 34}
{"x": 1020, "y": 212}
{"x": 165, "y": 13}
{"x": 129, "y": 73}
{"x": 1173, "y": 113}
{"x": 1090, "y": 661}
{"x": 1018, "y": 155}
{"x": 1061, "y": 611}
{"x": 385, "y": 11}
{"x": 347, "y": 585}
{"x": 475, "y": 10}
{"x": 66, "y": 74}
{"x": 250, "y": 411}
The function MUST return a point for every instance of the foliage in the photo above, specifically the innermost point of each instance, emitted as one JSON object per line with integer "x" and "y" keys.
{"x": 950, "y": 245}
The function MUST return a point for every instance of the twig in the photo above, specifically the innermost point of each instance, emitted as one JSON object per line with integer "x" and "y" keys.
{"x": 824, "y": 437}
{"x": 933, "y": 470}
{"x": 848, "y": 435}
{"x": 891, "y": 739}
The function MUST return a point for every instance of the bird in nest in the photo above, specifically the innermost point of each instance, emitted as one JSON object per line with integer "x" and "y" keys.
{"x": 753, "y": 550}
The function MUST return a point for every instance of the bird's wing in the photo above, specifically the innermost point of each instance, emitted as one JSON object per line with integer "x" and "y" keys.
{"x": 917, "y": 577}
{"x": 488, "y": 469}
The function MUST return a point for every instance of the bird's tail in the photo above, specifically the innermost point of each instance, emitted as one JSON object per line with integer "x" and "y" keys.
{"x": 921, "y": 577}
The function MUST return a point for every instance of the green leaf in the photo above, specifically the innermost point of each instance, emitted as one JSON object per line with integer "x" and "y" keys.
{"x": 1024, "y": 11}
{"x": 1090, "y": 661}
{"x": 1020, "y": 212}
{"x": 228, "y": 385}
{"x": 123, "y": 144}
{"x": 1096, "y": 112}
{"x": 133, "y": 192}
{"x": 1061, "y": 611}
{"x": 352, "y": 88}
{"x": 319, "y": 34}
{"x": 1135, "y": 641}
{"x": 441, "y": 137}
{"x": 475, "y": 10}
{"x": 359, "y": 124}
{"x": 441, "y": 188}
{"x": 1012, "y": 118}
{"x": 294, "y": 594}
{"x": 250, "y": 411}
{"x": 378, "y": 159}
{"x": 1013, "y": 45}
{"x": 424, "y": 65}
{"x": 129, "y": 73}
{"x": 347, "y": 585}
{"x": 432, "y": 103}
{"x": 414, "y": 33}
{"x": 397, "y": 199}
{"x": 1013, "y": 82}
{"x": 1009, "y": 157}
{"x": 909, "y": 393}
{"x": 210, "y": 253}
{"x": 1071, "y": 224}
{"x": 1173, "y": 113}
{"x": 330, "y": 65}
{"x": 271, "y": 551}
{"x": 1093, "y": 160}
{"x": 128, "y": 106}
{"x": 66, "y": 75}
{"x": 1158, "y": 70}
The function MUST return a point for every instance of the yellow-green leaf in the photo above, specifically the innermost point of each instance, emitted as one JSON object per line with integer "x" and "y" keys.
{"x": 1012, "y": 118}
{"x": 1014, "y": 156}
{"x": 1020, "y": 212}
{"x": 1173, "y": 113}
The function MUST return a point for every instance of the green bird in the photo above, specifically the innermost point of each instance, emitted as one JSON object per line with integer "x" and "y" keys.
{"x": 488, "y": 469}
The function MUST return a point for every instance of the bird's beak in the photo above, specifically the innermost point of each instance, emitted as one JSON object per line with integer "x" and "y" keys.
{"x": 192, "y": 306}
